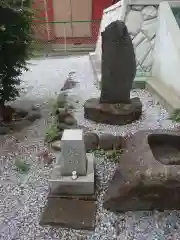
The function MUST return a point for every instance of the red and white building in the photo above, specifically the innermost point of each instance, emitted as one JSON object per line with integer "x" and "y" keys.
{"x": 70, "y": 14}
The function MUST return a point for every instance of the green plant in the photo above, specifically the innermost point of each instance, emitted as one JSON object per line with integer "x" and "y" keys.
{"x": 15, "y": 40}
{"x": 53, "y": 106}
{"x": 98, "y": 153}
{"x": 54, "y": 109}
{"x": 175, "y": 117}
{"x": 114, "y": 155}
{"x": 51, "y": 133}
{"x": 22, "y": 166}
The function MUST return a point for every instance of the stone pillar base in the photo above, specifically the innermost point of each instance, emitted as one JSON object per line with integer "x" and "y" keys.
{"x": 114, "y": 114}
{"x": 64, "y": 185}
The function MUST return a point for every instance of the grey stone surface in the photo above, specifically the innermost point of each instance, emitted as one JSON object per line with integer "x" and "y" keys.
{"x": 73, "y": 153}
{"x": 148, "y": 61}
{"x": 134, "y": 21}
{"x": 113, "y": 114}
{"x": 137, "y": 7}
{"x": 60, "y": 184}
{"x": 4, "y": 130}
{"x": 149, "y": 28}
{"x": 148, "y": 175}
{"x": 143, "y": 31}
{"x": 70, "y": 120}
{"x": 118, "y": 64}
{"x": 138, "y": 39}
{"x": 33, "y": 115}
{"x": 149, "y": 12}
{"x": 109, "y": 142}
{"x": 69, "y": 213}
{"x": 91, "y": 141}
{"x": 56, "y": 145}
{"x": 142, "y": 50}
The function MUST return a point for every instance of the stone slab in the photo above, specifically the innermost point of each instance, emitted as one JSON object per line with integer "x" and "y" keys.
{"x": 88, "y": 197}
{"x": 69, "y": 213}
{"x": 82, "y": 185}
{"x": 167, "y": 97}
{"x": 145, "y": 2}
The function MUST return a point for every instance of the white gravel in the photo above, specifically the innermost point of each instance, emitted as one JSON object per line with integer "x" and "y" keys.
{"x": 20, "y": 208}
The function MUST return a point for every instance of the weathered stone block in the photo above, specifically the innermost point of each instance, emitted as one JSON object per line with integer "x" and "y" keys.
{"x": 114, "y": 114}
{"x": 69, "y": 213}
{"x": 148, "y": 176}
{"x": 73, "y": 153}
{"x": 118, "y": 64}
{"x": 60, "y": 184}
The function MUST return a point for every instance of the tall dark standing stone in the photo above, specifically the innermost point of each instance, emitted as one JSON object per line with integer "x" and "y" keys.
{"x": 118, "y": 72}
{"x": 118, "y": 64}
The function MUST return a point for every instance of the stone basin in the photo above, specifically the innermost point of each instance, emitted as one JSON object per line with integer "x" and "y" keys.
{"x": 148, "y": 176}
{"x": 165, "y": 148}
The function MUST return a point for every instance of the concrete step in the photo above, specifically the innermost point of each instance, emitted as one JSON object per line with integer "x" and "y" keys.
{"x": 167, "y": 96}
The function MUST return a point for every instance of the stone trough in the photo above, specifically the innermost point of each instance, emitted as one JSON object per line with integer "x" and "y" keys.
{"x": 148, "y": 176}
{"x": 165, "y": 148}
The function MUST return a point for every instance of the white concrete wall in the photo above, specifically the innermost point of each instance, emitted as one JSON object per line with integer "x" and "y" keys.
{"x": 110, "y": 14}
{"x": 141, "y": 22}
{"x": 166, "y": 58}
{"x": 140, "y": 17}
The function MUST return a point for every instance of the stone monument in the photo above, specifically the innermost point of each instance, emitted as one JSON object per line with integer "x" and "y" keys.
{"x": 74, "y": 170}
{"x": 118, "y": 72}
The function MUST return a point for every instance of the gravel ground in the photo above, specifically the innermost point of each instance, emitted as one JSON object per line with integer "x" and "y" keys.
{"x": 23, "y": 196}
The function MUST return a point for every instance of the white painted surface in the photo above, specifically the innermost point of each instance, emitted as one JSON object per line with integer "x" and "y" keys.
{"x": 109, "y": 15}
{"x": 166, "y": 61}
{"x": 146, "y": 2}
{"x": 72, "y": 134}
{"x": 73, "y": 156}
{"x": 134, "y": 22}
{"x": 141, "y": 21}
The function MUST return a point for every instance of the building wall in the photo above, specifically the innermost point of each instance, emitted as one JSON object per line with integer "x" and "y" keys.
{"x": 166, "y": 60}
{"x": 45, "y": 31}
{"x": 40, "y": 28}
{"x": 98, "y": 7}
{"x": 110, "y": 14}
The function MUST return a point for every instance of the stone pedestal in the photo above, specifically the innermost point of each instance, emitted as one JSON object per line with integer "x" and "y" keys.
{"x": 73, "y": 158}
{"x": 114, "y": 114}
{"x": 83, "y": 185}
{"x": 71, "y": 200}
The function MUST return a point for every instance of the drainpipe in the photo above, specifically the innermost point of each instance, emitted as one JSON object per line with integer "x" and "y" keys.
{"x": 47, "y": 20}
